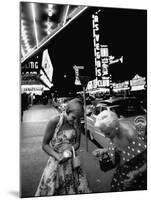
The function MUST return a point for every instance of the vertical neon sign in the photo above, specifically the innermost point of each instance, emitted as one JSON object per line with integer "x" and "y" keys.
{"x": 96, "y": 41}
{"x": 104, "y": 59}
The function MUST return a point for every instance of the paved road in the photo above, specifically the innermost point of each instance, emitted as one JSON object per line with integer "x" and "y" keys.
{"x": 33, "y": 159}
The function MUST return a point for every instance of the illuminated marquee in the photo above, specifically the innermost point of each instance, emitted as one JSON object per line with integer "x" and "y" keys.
{"x": 104, "y": 83}
{"x": 121, "y": 86}
{"x": 138, "y": 80}
{"x": 30, "y": 71}
{"x": 96, "y": 41}
{"x": 101, "y": 52}
{"x": 30, "y": 67}
{"x": 138, "y": 83}
{"x": 104, "y": 59}
{"x": 77, "y": 80}
{"x": 46, "y": 72}
{"x": 37, "y": 89}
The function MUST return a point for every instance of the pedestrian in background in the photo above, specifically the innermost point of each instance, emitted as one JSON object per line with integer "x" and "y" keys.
{"x": 24, "y": 104}
{"x": 61, "y": 140}
{"x": 131, "y": 171}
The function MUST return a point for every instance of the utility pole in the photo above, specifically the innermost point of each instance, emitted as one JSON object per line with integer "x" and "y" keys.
{"x": 82, "y": 80}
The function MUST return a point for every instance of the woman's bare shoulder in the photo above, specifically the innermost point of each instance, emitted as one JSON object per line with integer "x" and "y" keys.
{"x": 128, "y": 131}
{"x": 53, "y": 120}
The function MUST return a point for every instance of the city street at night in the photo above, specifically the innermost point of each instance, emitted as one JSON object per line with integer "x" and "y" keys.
{"x": 33, "y": 158}
{"x": 87, "y": 65}
{"x": 75, "y": 123}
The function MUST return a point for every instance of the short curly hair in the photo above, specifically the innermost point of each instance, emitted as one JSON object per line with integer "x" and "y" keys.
{"x": 107, "y": 122}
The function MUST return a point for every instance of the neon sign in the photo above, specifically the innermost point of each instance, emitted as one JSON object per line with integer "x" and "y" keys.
{"x": 104, "y": 83}
{"x": 104, "y": 59}
{"x": 96, "y": 41}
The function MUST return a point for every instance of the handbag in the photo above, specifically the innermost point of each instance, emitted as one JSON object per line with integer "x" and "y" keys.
{"x": 105, "y": 162}
{"x": 76, "y": 159}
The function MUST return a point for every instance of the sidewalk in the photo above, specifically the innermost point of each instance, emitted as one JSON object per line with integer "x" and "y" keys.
{"x": 98, "y": 180}
{"x": 39, "y": 113}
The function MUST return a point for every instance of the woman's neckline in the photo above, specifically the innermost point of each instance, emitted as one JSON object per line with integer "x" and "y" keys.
{"x": 65, "y": 121}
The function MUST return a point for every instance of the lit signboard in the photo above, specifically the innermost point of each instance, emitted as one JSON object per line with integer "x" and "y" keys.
{"x": 76, "y": 69}
{"x": 46, "y": 71}
{"x": 30, "y": 71}
{"x": 121, "y": 86}
{"x": 96, "y": 41}
{"x": 101, "y": 52}
{"x": 138, "y": 80}
{"x": 138, "y": 83}
{"x": 36, "y": 89}
{"x": 137, "y": 87}
{"x": 104, "y": 59}
{"x": 31, "y": 66}
{"x": 103, "y": 83}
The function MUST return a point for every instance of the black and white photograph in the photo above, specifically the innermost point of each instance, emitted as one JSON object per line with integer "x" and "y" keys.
{"x": 83, "y": 99}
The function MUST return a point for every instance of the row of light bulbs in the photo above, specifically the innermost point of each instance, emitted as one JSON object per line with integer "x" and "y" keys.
{"x": 24, "y": 38}
{"x": 24, "y": 34}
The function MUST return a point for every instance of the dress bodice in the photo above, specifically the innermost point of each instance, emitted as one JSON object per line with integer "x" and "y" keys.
{"x": 64, "y": 137}
{"x": 129, "y": 151}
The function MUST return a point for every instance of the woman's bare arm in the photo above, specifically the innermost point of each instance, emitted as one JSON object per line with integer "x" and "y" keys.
{"x": 48, "y": 136}
{"x": 78, "y": 138}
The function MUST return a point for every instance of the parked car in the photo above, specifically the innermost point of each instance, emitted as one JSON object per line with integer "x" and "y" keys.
{"x": 127, "y": 110}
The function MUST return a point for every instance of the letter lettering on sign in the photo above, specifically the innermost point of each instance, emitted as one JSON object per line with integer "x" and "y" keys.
{"x": 98, "y": 46}
{"x": 99, "y": 72}
{"x": 96, "y": 19}
{"x": 32, "y": 65}
{"x": 36, "y": 65}
{"x": 97, "y": 63}
{"x": 97, "y": 38}
{"x": 96, "y": 27}
{"x": 98, "y": 56}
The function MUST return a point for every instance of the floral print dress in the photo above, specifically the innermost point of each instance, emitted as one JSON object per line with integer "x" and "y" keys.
{"x": 62, "y": 178}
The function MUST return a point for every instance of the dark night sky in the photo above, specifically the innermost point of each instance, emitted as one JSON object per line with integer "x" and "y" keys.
{"x": 123, "y": 30}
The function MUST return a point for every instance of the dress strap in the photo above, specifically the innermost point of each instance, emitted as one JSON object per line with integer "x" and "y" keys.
{"x": 58, "y": 126}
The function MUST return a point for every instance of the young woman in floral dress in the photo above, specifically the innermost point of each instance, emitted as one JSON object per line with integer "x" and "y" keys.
{"x": 62, "y": 137}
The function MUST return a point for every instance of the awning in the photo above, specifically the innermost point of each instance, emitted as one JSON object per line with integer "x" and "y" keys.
{"x": 41, "y": 21}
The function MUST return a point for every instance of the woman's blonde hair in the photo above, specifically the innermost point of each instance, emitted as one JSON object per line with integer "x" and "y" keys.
{"x": 75, "y": 105}
{"x": 107, "y": 122}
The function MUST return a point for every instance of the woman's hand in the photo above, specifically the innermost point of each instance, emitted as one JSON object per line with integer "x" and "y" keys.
{"x": 62, "y": 158}
{"x": 65, "y": 156}
{"x": 99, "y": 152}
{"x": 131, "y": 177}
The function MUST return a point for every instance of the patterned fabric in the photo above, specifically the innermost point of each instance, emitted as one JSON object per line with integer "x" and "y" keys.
{"x": 129, "y": 151}
{"x": 138, "y": 183}
{"x": 132, "y": 157}
{"x": 61, "y": 179}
